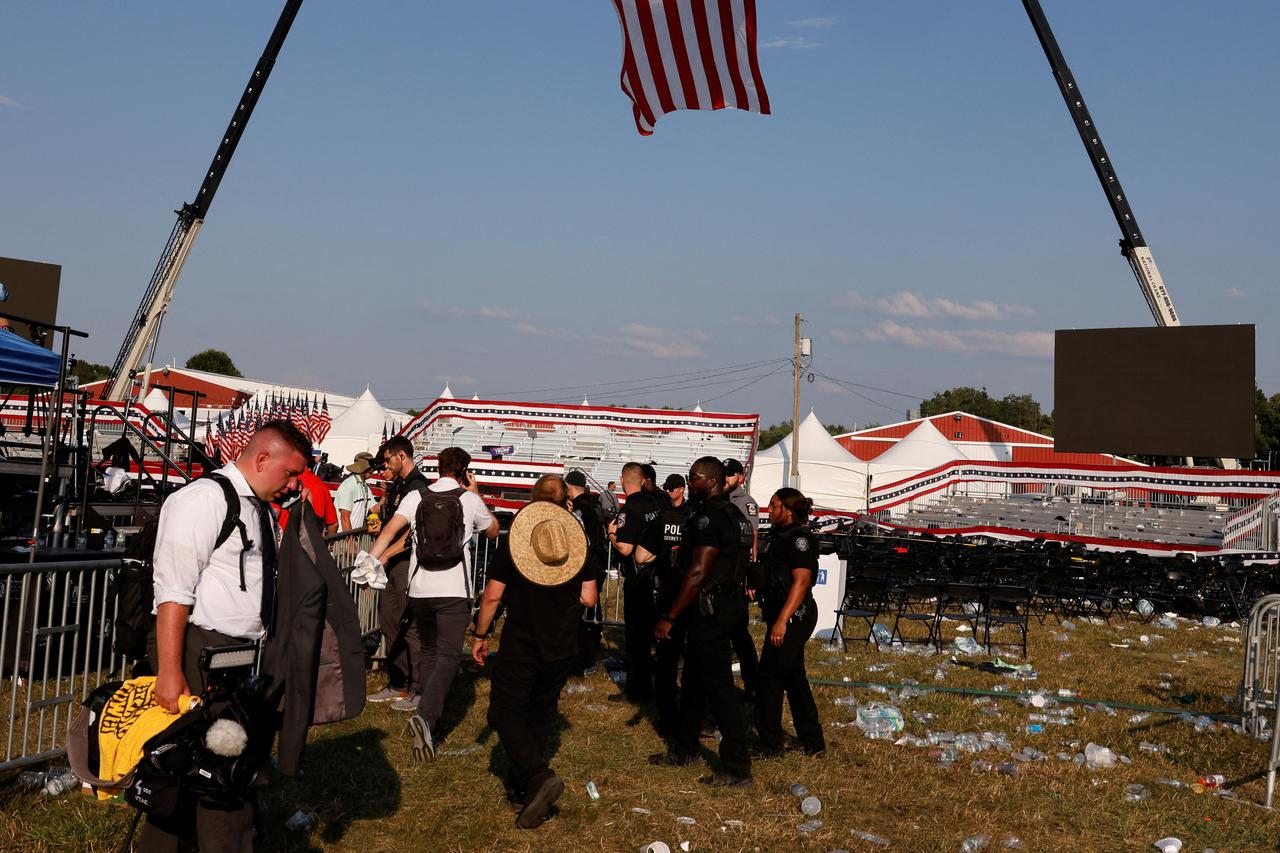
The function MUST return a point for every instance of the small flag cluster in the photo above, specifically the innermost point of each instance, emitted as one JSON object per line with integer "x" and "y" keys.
{"x": 230, "y": 433}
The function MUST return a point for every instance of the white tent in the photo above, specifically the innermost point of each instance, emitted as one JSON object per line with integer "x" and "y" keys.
{"x": 357, "y": 429}
{"x": 830, "y": 475}
{"x": 922, "y": 448}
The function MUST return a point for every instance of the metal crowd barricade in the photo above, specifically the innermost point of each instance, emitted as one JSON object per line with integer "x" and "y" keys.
{"x": 56, "y": 636}
{"x": 344, "y": 546}
{"x": 1260, "y": 685}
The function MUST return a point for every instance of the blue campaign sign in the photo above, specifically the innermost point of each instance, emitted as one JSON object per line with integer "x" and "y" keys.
{"x": 822, "y": 577}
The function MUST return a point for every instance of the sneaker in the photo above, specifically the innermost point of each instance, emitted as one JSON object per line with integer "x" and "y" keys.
{"x": 387, "y": 694}
{"x": 727, "y": 780}
{"x": 540, "y": 801}
{"x": 407, "y": 702}
{"x": 424, "y": 749}
{"x": 671, "y": 759}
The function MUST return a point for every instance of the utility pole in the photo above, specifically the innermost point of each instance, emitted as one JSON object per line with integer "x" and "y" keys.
{"x": 803, "y": 349}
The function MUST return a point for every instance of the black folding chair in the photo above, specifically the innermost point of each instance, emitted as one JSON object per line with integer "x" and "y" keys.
{"x": 864, "y": 599}
{"x": 918, "y": 605}
{"x": 1007, "y": 605}
{"x": 959, "y": 602}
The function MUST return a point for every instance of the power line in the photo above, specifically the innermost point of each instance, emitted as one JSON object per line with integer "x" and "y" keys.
{"x": 860, "y": 394}
{"x": 872, "y": 387}
{"x": 606, "y": 387}
{"x": 752, "y": 382}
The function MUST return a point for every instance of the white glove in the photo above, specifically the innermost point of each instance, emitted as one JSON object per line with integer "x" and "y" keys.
{"x": 369, "y": 571}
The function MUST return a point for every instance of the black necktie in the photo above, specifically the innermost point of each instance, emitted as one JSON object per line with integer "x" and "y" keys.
{"x": 267, "y": 535}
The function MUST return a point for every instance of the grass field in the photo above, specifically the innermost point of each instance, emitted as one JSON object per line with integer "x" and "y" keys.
{"x": 369, "y": 797}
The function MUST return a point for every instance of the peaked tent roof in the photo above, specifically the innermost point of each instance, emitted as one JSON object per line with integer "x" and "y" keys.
{"x": 362, "y": 418}
{"x": 816, "y": 445}
{"x": 924, "y": 447}
{"x": 447, "y": 393}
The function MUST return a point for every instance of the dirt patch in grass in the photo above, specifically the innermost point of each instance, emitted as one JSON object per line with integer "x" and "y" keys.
{"x": 369, "y": 796}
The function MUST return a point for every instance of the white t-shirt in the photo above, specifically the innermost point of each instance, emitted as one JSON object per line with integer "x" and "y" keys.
{"x": 445, "y": 583}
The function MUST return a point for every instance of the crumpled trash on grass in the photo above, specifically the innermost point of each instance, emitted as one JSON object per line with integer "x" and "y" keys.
{"x": 880, "y": 721}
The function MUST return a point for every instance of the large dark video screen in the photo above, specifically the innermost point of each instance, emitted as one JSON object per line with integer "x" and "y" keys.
{"x": 1174, "y": 391}
{"x": 31, "y": 290}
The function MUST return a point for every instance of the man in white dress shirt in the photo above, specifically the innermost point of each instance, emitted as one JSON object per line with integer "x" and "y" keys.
{"x": 210, "y": 594}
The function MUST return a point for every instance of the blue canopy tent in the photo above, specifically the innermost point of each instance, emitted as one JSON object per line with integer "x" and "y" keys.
{"x": 24, "y": 363}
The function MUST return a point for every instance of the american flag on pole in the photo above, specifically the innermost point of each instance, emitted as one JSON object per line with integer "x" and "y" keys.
{"x": 689, "y": 55}
{"x": 323, "y": 421}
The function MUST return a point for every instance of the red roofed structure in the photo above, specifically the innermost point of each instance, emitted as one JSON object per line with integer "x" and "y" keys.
{"x": 977, "y": 438}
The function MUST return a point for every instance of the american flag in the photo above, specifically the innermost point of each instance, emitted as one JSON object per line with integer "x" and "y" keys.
{"x": 226, "y": 440}
{"x": 320, "y": 426}
{"x": 210, "y": 439}
{"x": 298, "y": 413}
{"x": 689, "y": 55}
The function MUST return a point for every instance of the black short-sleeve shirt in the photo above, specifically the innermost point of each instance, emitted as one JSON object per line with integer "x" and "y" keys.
{"x": 717, "y": 523}
{"x": 636, "y": 518}
{"x": 542, "y": 621}
{"x": 794, "y": 547}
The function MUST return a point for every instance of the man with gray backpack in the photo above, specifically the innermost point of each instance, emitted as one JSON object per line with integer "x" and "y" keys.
{"x": 442, "y": 520}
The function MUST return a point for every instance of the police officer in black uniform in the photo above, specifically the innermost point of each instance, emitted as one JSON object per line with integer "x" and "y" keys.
{"x": 714, "y": 556}
{"x": 662, "y": 548}
{"x": 790, "y": 567}
{"x": 639, "y": 612}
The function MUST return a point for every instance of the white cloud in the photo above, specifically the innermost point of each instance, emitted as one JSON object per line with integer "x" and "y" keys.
{"x": 652, "y": 341}
{"x": 906, "y": 303}
{"x": 792, "y": 43}
{"x": 1236, "y": 293}
{"x": 814, "y": 23}
{"x": 537, "y": 331}
{"x": 849, "y": 299}
{"x": 1020, "y": 344}
{"x": 6, "y": 101}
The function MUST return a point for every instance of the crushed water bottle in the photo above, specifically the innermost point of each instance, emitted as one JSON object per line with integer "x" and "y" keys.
{"x": 880, "y": 721}
{"x": 1136, "y": 793}
{"x": 882, "y": 634}
{"x": 60, "y": 780}
{"x": 592, "y": 791}
{"x": 965, "y": 645}
{"x": 1145, "y": 608}
{"x": 1155, "y": 748}
{"x": 809, "y": 826}
{"x": 300, "y": 821}
{"x": 974, "y": 843}
{"x": 869, "y": 838}
{"x": 799, "y": 790}
{"x": 1211, "y": 621}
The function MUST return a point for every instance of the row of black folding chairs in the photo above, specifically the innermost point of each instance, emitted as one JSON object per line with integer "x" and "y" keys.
{"x": 931, "y": 607}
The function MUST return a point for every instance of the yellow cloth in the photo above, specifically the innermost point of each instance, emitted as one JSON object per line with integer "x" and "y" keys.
{"x": 130, "y": 718}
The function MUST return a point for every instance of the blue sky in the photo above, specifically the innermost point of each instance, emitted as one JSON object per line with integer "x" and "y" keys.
{"x": 434, "y": 191}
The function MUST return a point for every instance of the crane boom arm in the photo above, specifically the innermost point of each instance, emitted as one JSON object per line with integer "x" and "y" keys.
{"x": 145, "y": 328}
{"x": 1132, "y": 244}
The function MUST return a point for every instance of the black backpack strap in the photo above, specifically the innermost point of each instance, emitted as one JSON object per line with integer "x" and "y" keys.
{"x": 232, "y": 521}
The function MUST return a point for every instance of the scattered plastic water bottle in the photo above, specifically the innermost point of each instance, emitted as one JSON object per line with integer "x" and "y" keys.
{"x": 592, "y": 791}
{"x": 1145, "y": 608}
{"x": 1139, "y": 718}
{"x": 966, "y": 645}
{"x": 1008, "y": 768}
{"x": 1035, "y": 728}
{"x": 810, "y": 826}
{"x": 641, "y": 810}
{"x": 687, "y": 821}
{"x": 1154, "y": 748}
{"x": 109, "y": 543}
{"x": 82, "y": 541}
{"x": 1068, "y": 625}
{"x": 798, "y": 790}
{"x": 1211, "y": 621}
{"x": 1215, "y": 780}
{"x": 975, "y": 843}
{"x": 1172, "y": 783}
{"x": 869, "y": 838}
{"x": 882, "y": 634}
{"x": 60, "y": 780}
{"x": 1136, "y": 793}
{"x": 1011, "y": 842}
{"x": 980, "y": 765}
{"x": 33, "y": 778}
{"x": 300, "y": 821}
{"x": 734, "y": 823}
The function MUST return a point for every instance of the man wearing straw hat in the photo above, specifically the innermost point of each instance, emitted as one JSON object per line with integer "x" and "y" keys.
{"x": 545, "y": 577}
